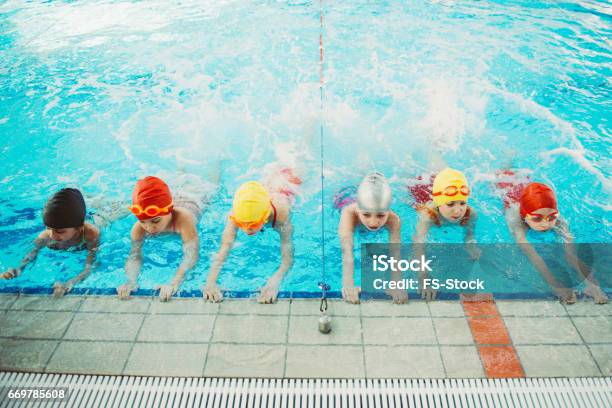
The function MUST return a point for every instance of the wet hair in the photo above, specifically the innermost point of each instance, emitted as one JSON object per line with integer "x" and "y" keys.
{"x": 65, "y": 209}
{"x": 374, "y": 193}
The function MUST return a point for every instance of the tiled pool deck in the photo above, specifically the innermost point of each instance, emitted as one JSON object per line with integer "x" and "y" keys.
{"x": 240, "y": 338}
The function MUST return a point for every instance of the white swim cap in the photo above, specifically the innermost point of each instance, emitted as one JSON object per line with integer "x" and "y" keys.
{"x": 374, "y": 193}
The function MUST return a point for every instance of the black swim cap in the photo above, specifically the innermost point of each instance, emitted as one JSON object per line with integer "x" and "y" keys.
{"x": 65, "y": 209}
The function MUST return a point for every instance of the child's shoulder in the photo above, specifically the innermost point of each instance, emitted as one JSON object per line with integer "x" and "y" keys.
{"x": 472, "y": 214}
{"x": 282, "y": 213}
{"x": 44, "y": 235}
{"x": 394, "y": 218}
{"x": 138, "y": 233}
{"x": 183, "y": 219}
{"x": 426, "y": 210}
{"x": 349, "y": 209}
{"x": 91, "y": 231}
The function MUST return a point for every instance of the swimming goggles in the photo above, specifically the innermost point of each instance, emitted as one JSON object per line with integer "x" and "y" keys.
{"x": 539, "y": 217}
{"x": 246, "y": 225}
{"x": 451, "y": 191}
{"x": 150, "y": 210}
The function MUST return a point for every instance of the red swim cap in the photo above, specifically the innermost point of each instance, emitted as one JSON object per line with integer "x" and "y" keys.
{"x": 151, "y": 191}
{"x": 536, "y": 196}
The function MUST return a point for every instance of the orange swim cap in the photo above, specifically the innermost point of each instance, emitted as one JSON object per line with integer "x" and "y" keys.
{"x": 536, "y": 196}
{"x": 151, "y": 191}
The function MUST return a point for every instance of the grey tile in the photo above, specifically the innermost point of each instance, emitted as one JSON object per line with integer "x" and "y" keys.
{"x": 25, "y": 355}
{"x": 89, "y": 357}
{"x": 530, "y": 308}
{"x": 104, "y": 326}
{"x": 311, "y": 307}
{"x": 453, "y": 330}
{"x": 542, "y": 330}
{"x": 6, "y": 300}
{"x": 462, "y": 362}
{"x": 251, "y": 329}
{"x": 557, "y": 361}
{"x": 179, "y": 328}
{"x": 446, "y": 308}
{"x": 588, "y": 308}
{"x": 603, "y": 356}
{"x": 386, "y": 308}
{"x": 33, "y": 324}
{"x": 403, "y": 362}
{"x": 240, "y": 360}
{"x": 163, "y": 359}
{"x": 251, "y": 306}
{"x": 113, "y": 304}
{"x": 395, "y": 331}
{"x": 304, "y": 330}
{"x": 324, "y": 362}
{"x": 65, "y": 303}
{"x": 184, "y": 306}
{"x": 595, "y": 329}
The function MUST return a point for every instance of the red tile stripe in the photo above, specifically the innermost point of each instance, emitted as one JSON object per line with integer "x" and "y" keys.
{"x": 498, "y": 355}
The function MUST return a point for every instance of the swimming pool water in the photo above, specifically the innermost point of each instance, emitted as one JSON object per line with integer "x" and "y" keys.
{"x": 98, "y": 94}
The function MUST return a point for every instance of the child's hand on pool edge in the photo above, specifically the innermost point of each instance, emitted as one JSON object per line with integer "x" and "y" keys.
{"x": 399, "y": 296}
{"x": 269, "y": 293}
{"x": 427, "y": 293}
{"x": 123, "y": 291}
{"x": 567, "y": 296}
{"x": 60, "y": 289}
{"x": 166, "y": 291}
{"x": 212, "y": 292}
{"x": 351, "y": 294}
{"x": 594, "y": 291}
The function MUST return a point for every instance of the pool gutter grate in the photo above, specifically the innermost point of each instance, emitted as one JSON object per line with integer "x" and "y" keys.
{"x": 126, "y": 391}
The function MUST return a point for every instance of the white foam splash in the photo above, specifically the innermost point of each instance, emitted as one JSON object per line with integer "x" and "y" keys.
{"x": 452, "y": 109}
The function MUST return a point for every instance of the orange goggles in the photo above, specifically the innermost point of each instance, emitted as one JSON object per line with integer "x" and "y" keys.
{"x": 150, "y": 210}
{"x": 451, "y": 191}
{"x": 245, "y": 225}
{"x": 539, "y": 217}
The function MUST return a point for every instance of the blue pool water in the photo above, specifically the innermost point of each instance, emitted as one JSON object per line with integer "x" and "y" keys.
{"x": 98, "y": 94}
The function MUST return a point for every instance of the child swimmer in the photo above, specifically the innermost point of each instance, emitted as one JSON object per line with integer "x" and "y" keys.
{"x": 443, "y": 202}
{"x": 257, "y": 205}
{"x": 159, "y": 213}
{"x": 64, "y": 218}
{"x": 533, "y": 206}
{"x": 370, "y": 209}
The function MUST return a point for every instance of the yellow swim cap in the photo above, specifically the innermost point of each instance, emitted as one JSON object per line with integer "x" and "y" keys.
{"x": 251, "y": 203}
{"x": 449, "y": 185}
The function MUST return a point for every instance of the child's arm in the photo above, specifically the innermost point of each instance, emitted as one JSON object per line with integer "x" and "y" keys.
{"x": 191, "y": 244}
{"x": 92, "y": 237}
{"x": 41, "y": 241}
{"x": 471, "y": 245}
{"x": 592, "y": 286}
{"x": 394, "y": 225}
{"x": 346, "y": 231}
{"x": 418, "y": 245}
{"x": 566, "y": 295}
{"x": 270, "y": 291}
{"x": 133, "y": 263}
{"x": 211, "y": 289}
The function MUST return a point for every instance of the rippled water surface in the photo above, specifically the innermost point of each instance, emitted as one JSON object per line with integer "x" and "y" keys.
{"x": 98, "y": 94}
